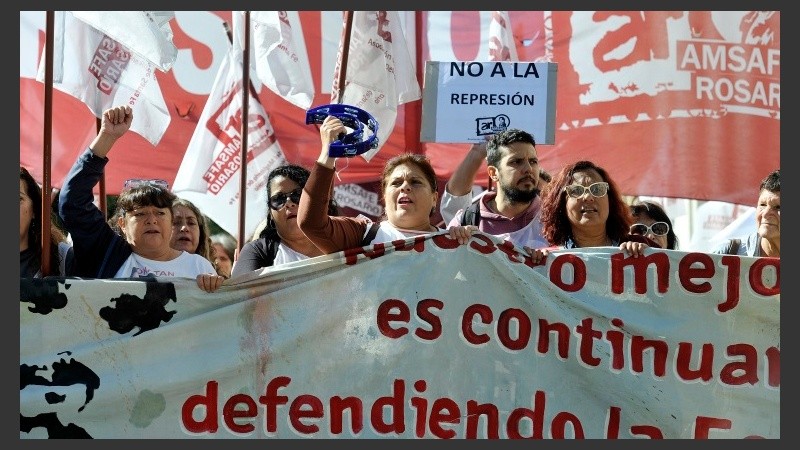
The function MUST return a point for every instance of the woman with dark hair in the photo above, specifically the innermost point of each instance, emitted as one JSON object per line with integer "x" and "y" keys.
{"x": 30, "y": 232}
{"x": 281, "y": 240}
{"x": 584, "y": 208}
{"x": 654, "y": 223}
{"x": 145, "y": 219}
{"x": 408, "y": 193}
{"x": 190, "y": 230}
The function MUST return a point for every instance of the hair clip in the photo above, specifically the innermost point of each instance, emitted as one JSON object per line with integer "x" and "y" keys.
{"x": 353, "y": 143}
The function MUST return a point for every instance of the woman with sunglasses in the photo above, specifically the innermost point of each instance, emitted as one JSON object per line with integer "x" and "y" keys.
{"x": 145, "y": 220}
{"x": 583, "y": 208}
{"x": 653, "y": 222}
{"x": 281, "y": 240}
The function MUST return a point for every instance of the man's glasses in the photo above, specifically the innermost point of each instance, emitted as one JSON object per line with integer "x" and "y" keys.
{"x": 598, "y": 189}
{"x": 277, "y": 201}
{"x": 136, "y": 182}
{"x": 658, "y": 228}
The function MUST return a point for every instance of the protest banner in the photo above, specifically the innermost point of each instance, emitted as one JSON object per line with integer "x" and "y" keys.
{"x": 416, "y": 338}
{"x": 658, "y": 84}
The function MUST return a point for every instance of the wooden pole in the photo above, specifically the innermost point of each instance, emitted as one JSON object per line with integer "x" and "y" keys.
{"x": 102, "y": 193}
{"x": 47, "y": 150}
{"x": 348, "y": 26}
{"x": 413, "y": 110}
{"x": 245, "y": 106}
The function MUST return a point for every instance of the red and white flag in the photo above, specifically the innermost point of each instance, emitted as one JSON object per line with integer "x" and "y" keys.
{"x": 103, "y": 73}
{"x": 210, "y": 173}
{"x": 502, "y": 46}
{"x": 380, "y": 71}
{"x": 280, "y": 57}
{"x": 146, "y": 33}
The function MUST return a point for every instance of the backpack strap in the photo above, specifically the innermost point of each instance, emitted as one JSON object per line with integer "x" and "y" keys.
{"x": 733, "y": 246}
{"x": 373, "y": 230}
{"x": 472, "y": 215}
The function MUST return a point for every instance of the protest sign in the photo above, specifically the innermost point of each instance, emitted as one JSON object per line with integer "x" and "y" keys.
{"x": 465, "y": 101}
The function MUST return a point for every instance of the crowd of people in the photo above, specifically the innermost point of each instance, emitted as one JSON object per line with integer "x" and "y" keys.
{"x": 153, "y": 233}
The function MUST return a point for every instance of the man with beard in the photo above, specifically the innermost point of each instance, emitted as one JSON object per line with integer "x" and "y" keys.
{"x": 512, "y": 210}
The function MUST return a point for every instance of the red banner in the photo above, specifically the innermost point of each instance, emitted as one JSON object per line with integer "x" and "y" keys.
{"x": 673, "y": 103}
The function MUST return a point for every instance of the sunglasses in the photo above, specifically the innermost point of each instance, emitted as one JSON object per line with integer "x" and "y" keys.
{"x": 136, "y": 182}
{"x": 598, "y": 189}
{"x": 277, "y": 201}
{"x": 658, "y": 228}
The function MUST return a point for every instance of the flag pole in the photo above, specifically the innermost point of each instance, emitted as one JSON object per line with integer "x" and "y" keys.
{"x": 47, "y": 204}
{"x": 413, "y": 110}
{"x": 348, "y": 26}
{"x": 102, "y": 193}
{"x": 244, "y": 130}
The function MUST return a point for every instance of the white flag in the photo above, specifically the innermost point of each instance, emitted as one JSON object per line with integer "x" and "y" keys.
{"x": 102, "y": 73}
{"x": 210, "y": 173}
{"x": 380, "y": 72}
{"x": 281, "y": 64}
{"x": 146, "y": 33}
{"x": 502, "y": 46}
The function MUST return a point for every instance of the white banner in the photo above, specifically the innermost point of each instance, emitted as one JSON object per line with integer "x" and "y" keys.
{"x": 380, "y": 72}
{"x": 358, "y": 198}
{"x": 466, "y": 101}
{"x": 418, "y": 338}
{"x": 210, "y": 173}
{"x": 146, "y": 33}
{"x": 502, "y": 45}
{"x": 281, "y": 64}
{"x": 103, "y": 73}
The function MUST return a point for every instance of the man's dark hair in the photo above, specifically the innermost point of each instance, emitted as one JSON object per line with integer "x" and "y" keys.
{"x": 505, "y": 138}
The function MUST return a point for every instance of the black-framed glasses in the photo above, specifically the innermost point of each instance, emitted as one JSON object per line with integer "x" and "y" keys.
{"x": 277, "y": 201}
{"x": 657, "y": 228}
{"x": 136, "y": 182}
{"x": 598, "y": 189}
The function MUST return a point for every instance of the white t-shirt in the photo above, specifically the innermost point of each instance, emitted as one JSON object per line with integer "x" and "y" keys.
{"x": 451, "y": 204}
{"x": 187, "y": 265}
{"x": 286, "y": 255}
{"x": 388, "y": 232}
